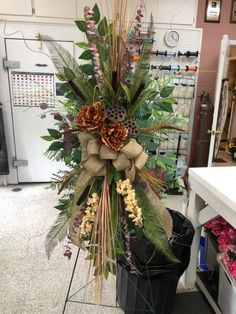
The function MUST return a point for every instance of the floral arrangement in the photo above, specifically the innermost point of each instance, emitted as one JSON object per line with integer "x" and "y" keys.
{"x": 226, "y": 239}
{"x": 113, "y": 114}
{"x": 231, "y": 147}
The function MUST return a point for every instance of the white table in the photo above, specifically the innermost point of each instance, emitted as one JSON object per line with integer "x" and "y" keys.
{"x": 213, "y": 193}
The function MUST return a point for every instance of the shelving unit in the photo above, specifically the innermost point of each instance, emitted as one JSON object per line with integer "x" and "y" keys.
{"x": 184, "y": 78}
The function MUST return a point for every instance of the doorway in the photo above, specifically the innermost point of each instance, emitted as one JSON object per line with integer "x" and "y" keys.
{"x": 32, "y": 83}
{"x": 224, "y": 157}
{"x": 224, "y": 117}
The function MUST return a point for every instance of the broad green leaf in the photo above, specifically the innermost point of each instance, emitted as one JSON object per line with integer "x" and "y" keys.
{"x": 170, "y": 100}
{"x": 96, "y": 13}
{"x": 166, "y": 91}
{"x": 160, "y": 164}
{"x": 81, "y": 26}
{"x": 60, "y": 77}
{"x": 57, "y": 233}
{"x": 47, "y": 138}
{"x": 86, "y": 55}
{"x": 103, "y": 27}
{"x": 110, "y": 28}
{"x": 151, "y": 146}
{"x": 56, "y": 146}
{"x": 60, "y": 207}
{"x": 87, "y": 69}
{"x": 68, "y": 159}
{"x": 170, "y": 162}
{"x": 163, "y": 106}
{"x": 127, "y": 91}
{"x": 69, "y": 74}
{"x": 54, "y": 133}
{"x": 82, "y": 45}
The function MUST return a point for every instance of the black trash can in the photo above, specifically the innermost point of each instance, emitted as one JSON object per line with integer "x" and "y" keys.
{"x": 153, "y": 289}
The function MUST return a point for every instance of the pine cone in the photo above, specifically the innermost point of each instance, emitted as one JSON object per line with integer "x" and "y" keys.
{"x": 116, "y": 113}
{"x": 91, "y": 117}
{"x": 113, "y": 135}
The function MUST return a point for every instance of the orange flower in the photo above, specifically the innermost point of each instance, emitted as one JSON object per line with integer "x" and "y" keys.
{"x": 91, "y": 116}
{"x": 113, "y": 135}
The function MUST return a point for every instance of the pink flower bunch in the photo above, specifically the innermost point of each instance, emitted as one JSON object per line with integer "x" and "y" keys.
{"x": 91, "y": 24}
{"x": 96, "y": 62}
{"x": 226, "y": 239}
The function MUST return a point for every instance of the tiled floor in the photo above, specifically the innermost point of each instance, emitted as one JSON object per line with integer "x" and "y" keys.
{"x": 29, "y": 283}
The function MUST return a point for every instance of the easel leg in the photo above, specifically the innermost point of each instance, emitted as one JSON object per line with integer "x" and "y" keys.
{"x": 71, "y": 280}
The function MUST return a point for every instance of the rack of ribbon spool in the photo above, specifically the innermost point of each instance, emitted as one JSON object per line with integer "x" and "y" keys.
{"x": 180, "y": 66}
{"x": 174, "y": 68}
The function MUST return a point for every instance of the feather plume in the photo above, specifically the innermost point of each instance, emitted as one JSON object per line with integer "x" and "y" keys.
{"x": 63, "y": 59}
{"x": 57, "y": 232}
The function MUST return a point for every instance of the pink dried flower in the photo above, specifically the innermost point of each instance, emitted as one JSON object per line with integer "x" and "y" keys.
{"x": 91, "y": 25}
{"x": 88, "y": 11}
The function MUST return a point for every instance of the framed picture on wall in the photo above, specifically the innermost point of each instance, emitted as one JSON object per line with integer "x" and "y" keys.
{"x": 212, "y": 11}
{"x": 233, "y": 12}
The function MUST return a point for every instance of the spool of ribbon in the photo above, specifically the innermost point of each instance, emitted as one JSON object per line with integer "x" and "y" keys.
{"x": 95, "y": 156}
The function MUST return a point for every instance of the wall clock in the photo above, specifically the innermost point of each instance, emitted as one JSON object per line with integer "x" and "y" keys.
{"x": 172, "y": 38}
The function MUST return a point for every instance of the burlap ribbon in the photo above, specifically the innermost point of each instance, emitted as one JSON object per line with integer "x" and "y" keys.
{"x": 95, "y": 156}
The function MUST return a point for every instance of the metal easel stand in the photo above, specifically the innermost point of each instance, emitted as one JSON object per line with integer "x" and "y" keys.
{"x": 68, "y": 296}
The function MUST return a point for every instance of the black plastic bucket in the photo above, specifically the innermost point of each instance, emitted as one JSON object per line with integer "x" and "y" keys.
{"x": 154, "y": 289}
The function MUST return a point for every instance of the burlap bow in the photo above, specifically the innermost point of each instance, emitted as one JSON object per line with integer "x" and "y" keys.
{"x": 95, "y": 156}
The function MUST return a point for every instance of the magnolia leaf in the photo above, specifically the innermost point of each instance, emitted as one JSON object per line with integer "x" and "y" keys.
{"x": 168, "y": 161}
{"x": 163, "y": 106}
{"x": 47, "y": 138}
{"x": 166, "y": 91}
{"x": 160, "y": 163}
{"x": 87, "y": 69}
{"x": 60, "y": 77}
{"x": 82, "y": 45}
{"x": 103, "y": 27}
{"x": 56, "y": 146}
{"x": 151, "y": 146}
{"x": 96, "y": 13}
{"x": 127, "y": 91}
{"x": 57, "y": 233}
{"x": 68, "y": 159}
{"x": 69, "y": 74}
{"x": 170, "y": 100}
{"x": 81, "y": 26}
{"x": 54, "y": 133}
{"x": 86, "y": 55}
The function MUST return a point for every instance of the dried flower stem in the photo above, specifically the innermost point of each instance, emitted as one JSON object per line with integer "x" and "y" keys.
{"x": 102, "y": 238}
{"x": 158, "y": 127}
